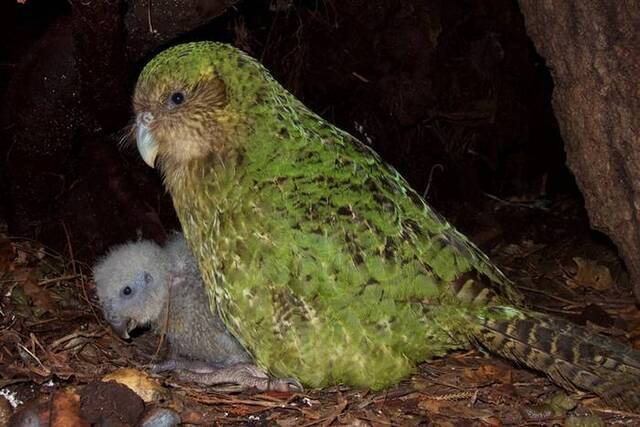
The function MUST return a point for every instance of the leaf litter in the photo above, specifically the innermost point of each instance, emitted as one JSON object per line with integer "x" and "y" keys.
{"x": 59, "y": 356}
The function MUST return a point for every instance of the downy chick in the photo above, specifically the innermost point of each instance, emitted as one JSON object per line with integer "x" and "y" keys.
{"x": 142, "y": 284}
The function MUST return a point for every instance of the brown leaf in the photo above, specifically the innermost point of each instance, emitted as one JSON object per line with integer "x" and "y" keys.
{"x": 7, "y": 254}
{"x": 433, "y": 406}
{"x": 65, "y": 410}
{"x": 140, "y": 382}
{"x": 454, "y": 409}
{"x": 489, "y": 373}
{"x": 288, "y": 422}
{"x": 337, "y": 410}
{"x": 353, "y": 421}
{"x": 590, "y": 274}
{"x": 5, "y": 411}
{"x": 39, "y": 296}
{"x": 33, "y": 413}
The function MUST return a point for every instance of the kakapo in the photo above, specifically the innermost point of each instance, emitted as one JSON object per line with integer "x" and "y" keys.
{"x": 142, "y": 284}
{"x": 319, "y": 257}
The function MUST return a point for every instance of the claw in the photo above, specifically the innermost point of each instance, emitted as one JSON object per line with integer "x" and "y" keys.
{"x": 164, "y": 366}
{"x": 285, "y": 384}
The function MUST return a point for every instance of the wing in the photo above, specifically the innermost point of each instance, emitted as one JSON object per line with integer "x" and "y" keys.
{"x": 336, "y": 193}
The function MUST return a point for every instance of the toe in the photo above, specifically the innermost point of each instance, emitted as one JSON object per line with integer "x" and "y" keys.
{"x": 286, "y": 384}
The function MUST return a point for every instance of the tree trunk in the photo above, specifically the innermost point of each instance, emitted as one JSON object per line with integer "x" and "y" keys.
{"x": 593, "y": 50}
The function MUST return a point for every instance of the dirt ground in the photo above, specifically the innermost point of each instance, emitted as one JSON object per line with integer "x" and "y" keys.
{"x": 55, "y": 347}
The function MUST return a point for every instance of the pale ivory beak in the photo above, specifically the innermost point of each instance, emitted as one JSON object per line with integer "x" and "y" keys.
{"x": 147, "y": 146}
{"x": 123, "y": 326}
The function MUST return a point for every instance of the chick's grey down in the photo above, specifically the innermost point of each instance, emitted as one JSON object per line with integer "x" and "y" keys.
{"x": 143, "y": 284}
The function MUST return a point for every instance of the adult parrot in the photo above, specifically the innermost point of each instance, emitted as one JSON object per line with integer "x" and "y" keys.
{"x": 320, "y": 258}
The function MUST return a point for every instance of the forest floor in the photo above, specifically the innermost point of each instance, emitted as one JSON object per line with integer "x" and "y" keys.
{"x": 55, "y": 347}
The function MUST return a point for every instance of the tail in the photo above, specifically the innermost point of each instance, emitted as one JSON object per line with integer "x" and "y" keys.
{"x": 573, "y": 356}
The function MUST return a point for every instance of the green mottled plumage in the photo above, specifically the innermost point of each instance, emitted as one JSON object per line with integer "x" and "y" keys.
{"x": 321, "y": 259}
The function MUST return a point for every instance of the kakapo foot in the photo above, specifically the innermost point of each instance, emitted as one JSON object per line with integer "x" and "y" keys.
{"x": 245, "y": 375}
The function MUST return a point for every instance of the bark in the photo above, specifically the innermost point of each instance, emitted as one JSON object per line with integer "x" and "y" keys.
{"x": 593, "y": 51}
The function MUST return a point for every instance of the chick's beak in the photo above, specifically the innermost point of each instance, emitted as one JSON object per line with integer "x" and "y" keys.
{"x": 147, "y": 146}
{"x": 123, "y": 326}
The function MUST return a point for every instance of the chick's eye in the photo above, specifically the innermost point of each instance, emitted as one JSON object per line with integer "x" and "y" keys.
{"x": 176, "y": 98}
{"x": 126, "y": 290}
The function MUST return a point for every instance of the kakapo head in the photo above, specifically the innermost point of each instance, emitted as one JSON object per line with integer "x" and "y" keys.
{"x": 132, "y": 285}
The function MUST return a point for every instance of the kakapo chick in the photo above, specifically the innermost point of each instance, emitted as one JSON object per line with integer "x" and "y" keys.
{"x": 142, "y": 284}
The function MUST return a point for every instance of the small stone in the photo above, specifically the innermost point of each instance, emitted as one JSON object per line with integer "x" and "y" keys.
{"x": 160, "y": 417}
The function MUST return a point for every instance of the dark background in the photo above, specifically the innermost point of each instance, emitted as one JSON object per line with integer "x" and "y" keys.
{"x": 450, "y": 92}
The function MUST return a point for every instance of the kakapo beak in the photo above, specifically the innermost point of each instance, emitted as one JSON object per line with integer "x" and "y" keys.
{"x": 123, "y": 326}
{"x": 147, "y": 146}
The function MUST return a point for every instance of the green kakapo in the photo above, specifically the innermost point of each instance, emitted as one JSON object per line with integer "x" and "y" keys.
{"x": 319, "y": 257}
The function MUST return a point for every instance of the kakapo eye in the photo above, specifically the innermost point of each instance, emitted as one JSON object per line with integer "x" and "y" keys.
{"x": 127, "y": 290}
{"x": 176, "y": 98}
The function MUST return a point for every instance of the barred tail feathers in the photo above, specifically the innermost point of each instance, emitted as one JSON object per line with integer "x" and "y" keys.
{"x": 571, "y": 355}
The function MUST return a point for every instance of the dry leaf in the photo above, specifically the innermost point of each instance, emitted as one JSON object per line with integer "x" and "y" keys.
{"x": 5, "y": 411}
{"x": 489, "y": 373}
{"x": 433, "y": 406}
{"x": 7, "y": 254}
{"x": 584, "y": 421}
{"x": 288, "y": 422}
{"x": 39, "y": 296}
{"x": 141, "y": 383}
{"x": 590, "y": 274}
{"x": 65, "y": 410}
{"x": 353, "y": 421}
{"x": 452, "y": 409}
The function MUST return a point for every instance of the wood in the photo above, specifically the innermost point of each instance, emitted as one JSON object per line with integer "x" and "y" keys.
{"x": 593, "y": 50}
